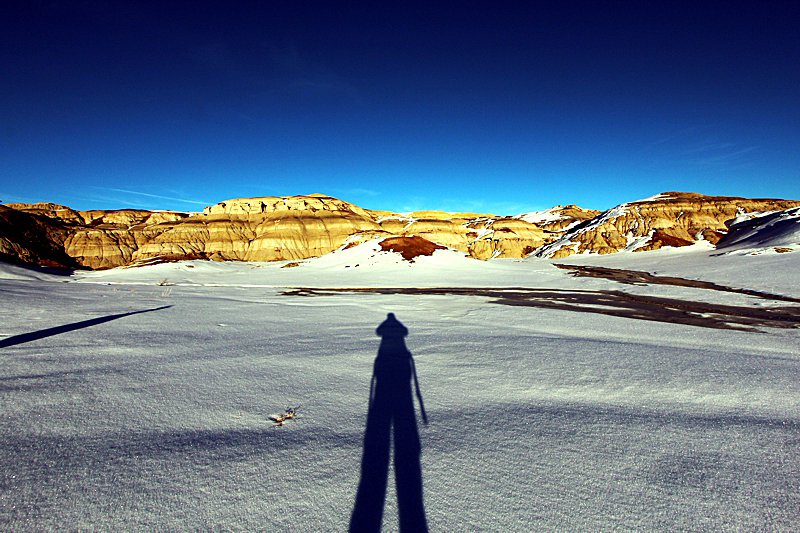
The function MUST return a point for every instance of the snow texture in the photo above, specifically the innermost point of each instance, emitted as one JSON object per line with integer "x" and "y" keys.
{"x": 139, "y": 399}
{"x": 757, "y": 233}
{"x": 543, "y": 217}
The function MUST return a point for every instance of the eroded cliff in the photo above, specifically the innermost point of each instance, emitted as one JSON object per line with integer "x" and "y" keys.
{"x": 300, "y": 227}
{"x": 669, "y": 219}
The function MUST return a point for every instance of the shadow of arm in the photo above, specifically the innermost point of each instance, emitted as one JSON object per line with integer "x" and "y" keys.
{"x": 419, "y": 394}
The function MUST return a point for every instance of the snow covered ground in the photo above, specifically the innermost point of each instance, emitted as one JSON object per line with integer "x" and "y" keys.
{"x": 139, "y": 399}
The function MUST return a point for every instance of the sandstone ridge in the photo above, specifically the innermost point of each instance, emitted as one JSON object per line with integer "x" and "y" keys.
{"x": 668, "y": 219}
{"x": 301, "y": 227}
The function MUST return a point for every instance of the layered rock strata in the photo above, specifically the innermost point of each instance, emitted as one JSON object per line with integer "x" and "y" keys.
{"x": 484, "y": 236}
{"x": 669, "y": 219}
{"x": 300, "y": 227}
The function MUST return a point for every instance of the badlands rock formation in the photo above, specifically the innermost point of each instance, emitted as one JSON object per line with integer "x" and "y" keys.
{"x": 98, "y": 239}
{"x": 669, "y": 219}
{"x": 487, "y": 236}
{"x": 300, "y": 227}
{"x": 32, "y": 238}
{"x": 271, "y": 228}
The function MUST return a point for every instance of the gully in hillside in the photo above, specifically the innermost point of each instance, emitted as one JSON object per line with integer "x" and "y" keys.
{"x": 391, "y": 407}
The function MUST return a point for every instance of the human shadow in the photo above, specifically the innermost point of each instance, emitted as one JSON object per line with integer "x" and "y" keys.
{"x": 49, "y": 332}
{"x": 391, "y": 406}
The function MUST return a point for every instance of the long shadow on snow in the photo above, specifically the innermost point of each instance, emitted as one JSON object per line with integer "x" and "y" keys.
{"x": 57, "y": 330}
{"x": 391, "y": 406}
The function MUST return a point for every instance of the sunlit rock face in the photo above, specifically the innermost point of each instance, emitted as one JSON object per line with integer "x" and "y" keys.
{"x": 99, "y": 239}
{"x": 486, "y": 236}
{"x": 130, "y": 218}
{"x": 560, "y": 219}
{"x": 49, "y": 210}
{"x": 271, "y": 204}
{"x": 113, "y": 238}
{"x": 295, "y": 227}
{"x": 300, "y": 227}
{"x": 505, "y": 237}
{"x": 251, "y": 229}
{"x": 270, "y": 228}
{"x": 104, "y": 248}
{"x": 669, "y": 219}
{"x": 451, "y": 231}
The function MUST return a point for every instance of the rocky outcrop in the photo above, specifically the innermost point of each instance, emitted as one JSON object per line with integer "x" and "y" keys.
{"x": 95, "y": 239}
{"x": 105, "y": 247}
{"x": 271, "y": 204}
{"x": 410, "y": 247}
{"x": 269, "y": 229}
{"x": 48, "y": 210}
{"x": 114, "y": 238}
{"x": 669, "y": 219}
{"x": 130, "y": 218}
{"x": 33, "y": 238}
{"x": 485, "y": 236}
{"x": 252, "y": 229}
{"x": 506, "y": 237}
{"x": 300, "y": 227}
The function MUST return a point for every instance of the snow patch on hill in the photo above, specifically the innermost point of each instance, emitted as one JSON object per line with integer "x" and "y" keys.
{"x": 362, "y": 265}
{"x": 758, "y": 233}
{"x": 543, "y": 217}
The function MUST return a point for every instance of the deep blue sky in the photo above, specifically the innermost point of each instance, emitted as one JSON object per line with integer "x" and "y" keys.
{"x": 500, "y": 107}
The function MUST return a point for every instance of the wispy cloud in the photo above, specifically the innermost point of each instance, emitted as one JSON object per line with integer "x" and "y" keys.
{"x": 466, "y": 205}
{"x": 355, "y": 192}
{"x": 723, "y": 156}
{"x": 115, "y": 202}
{"x": 494, "y": 207}
{"x": 708, "y": 147}
{"x": 148, "y": 195}
{"x": 699, "y": 146}
{"x": 13, "y": 199}
{"x": 679, "y": 135}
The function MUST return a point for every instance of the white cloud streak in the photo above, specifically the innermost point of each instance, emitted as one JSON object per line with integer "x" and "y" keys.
{"x": 158, "y": 196}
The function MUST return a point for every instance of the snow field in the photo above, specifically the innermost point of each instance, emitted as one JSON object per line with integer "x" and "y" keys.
{"x": 539, "y": 419}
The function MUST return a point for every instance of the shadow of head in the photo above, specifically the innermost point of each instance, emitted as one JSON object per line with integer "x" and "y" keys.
{"x": 392, "y": 333}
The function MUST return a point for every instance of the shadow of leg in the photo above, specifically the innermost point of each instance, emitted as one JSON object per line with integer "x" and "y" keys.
{"x": 408, "y": 470}
{"x": 368, "y": 511}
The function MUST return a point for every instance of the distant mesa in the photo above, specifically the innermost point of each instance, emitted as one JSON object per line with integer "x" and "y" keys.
{"x": 293, "y": 228}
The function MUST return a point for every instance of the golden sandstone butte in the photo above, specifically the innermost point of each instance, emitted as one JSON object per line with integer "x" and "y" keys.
{"x": 302, "y": 227}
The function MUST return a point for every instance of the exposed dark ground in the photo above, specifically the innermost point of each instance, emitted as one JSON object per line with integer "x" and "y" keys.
{"x": 619, "y": 303}
{"x": 638, "y": 277}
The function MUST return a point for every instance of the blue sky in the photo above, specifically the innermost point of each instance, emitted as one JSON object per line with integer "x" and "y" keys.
{"x": 488, "y": 107}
